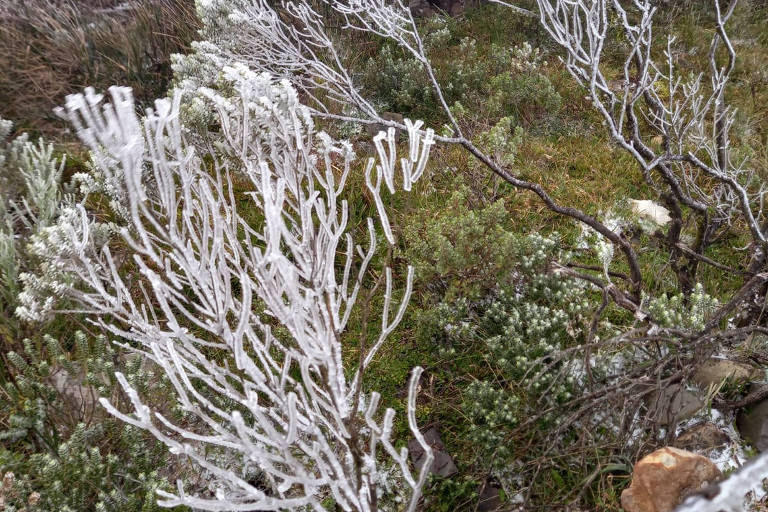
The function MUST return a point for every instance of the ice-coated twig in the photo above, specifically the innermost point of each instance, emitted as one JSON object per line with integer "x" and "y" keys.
{"x": 686, "y": 154}
{"x": 303, "y": 42}
{"x": 729, "y": 495}
{"x": 246, "y": 317}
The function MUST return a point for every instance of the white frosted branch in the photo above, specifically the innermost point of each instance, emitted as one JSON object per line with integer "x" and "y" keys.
{"x": 729, "y": 495}
{"x": 213, "y": 284}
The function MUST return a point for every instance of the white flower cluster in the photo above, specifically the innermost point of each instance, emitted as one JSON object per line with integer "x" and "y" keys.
{"x": 525, "y": 58}
{"x": 525, "y": 326}
{"x": 492, "y": 410}
{"x": 95, "y": 182}
{"x": 689, "y": 313}
{"x": 532, "y": 331}
{"x": 533, "y": 324}
{"x": 53, "y": 248}
{"x": 502, "y": 141}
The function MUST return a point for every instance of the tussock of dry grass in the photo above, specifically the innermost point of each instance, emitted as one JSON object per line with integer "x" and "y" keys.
{"x": 51, "y": 49}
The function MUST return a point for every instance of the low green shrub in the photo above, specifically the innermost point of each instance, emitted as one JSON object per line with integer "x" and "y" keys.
{"x": 460, "y": 250}
{"x": 491, "y": 82}
{"x": 60, "y": 450}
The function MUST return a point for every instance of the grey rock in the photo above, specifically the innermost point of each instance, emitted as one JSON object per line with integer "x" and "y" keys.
{"x": 702, "y": 436}
{"x": 489, "y": 500}
{"x": 443, "y": 464}
{"x": 375, "y": 128}
{"x": 753, "y": 425}
{"x": 673, "y": 404}
{"x": 79, "y": 397}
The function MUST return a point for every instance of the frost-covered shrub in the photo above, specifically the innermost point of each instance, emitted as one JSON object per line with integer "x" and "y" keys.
{"x": 63, "y": 450}
{"x": 502, "y": 141}
{"x": 221, "y": 30}
{"x": 49, "y": 280}
{"x": 221, "y": 26}
{"x": 688, "y": 313}
{"x": 245, "y": 313}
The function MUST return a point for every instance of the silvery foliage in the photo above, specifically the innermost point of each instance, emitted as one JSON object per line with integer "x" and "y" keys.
{"x": 36, "y": 212}
{"x": 10, "y": 159}
{"x": 247, "y": 318}
{"x": 31, "y": 202}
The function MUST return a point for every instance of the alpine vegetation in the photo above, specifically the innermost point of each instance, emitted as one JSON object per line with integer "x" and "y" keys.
{"x": 33, "y": 201}
{"x": 225, "y": 301}
{"x": 695, "y": 168}
{"x": 247, "y": 318}
{"x": 675, "y": 125}
{"x": 30, "y": 200}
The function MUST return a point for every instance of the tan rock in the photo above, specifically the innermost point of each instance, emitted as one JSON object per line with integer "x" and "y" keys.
{"x": 662, "y": 479}
{"x": 713, "y": 371}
